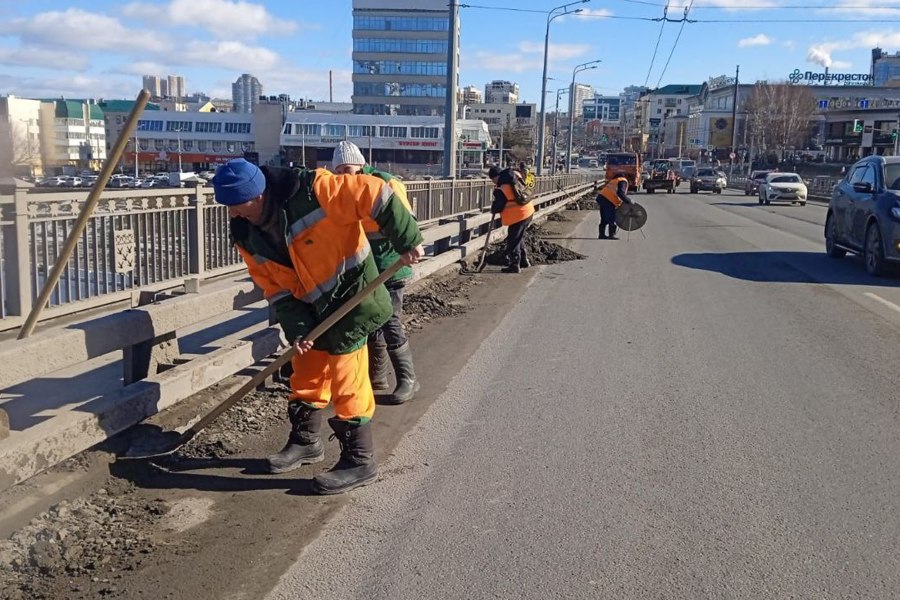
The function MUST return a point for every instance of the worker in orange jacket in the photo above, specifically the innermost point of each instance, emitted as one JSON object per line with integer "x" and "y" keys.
{"x": 514, "y": 214}
{"x": 299, "y": 232}
{"x": 611, "y": 197}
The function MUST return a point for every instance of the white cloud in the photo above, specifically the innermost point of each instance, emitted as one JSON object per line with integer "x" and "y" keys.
{"x": 76, "y": 86}
{"x": 44, "y": 58}
{"x": 76, "y": 29}
{"x": 789, "y": 44}
{"x": 594, "y": 13}
{"x": 512, "y": 62}
{"x": 821, "y": 53}
{"x": 867, "y": 8}
{"x": 679, "y": 5}
{"x": 222, "y": 18}
{"x": 760, "y": 39}
{"x": 555, "y": 51}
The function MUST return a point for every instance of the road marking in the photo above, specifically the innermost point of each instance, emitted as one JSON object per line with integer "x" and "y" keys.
{"x": 887, "y": 303}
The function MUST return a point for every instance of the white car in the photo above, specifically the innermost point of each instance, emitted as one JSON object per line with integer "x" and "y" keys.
{"x": 784, "y": 187}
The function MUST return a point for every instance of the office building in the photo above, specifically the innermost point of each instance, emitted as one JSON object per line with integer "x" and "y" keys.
{"x": 470, "y": 95}
{"x": 176, "y": 86}
{"x": 245, "y": 93}
{"x": 501, "y": 92}
{"x": 153, "y": 85}
{"x": 885, "y": 68}
{"x": 578, "y": 93}
{"x": 400, "y": 57}
{"x": 605, "y": 108}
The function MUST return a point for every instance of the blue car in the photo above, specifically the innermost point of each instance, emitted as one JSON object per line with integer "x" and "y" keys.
{"x": 864, "y": 214}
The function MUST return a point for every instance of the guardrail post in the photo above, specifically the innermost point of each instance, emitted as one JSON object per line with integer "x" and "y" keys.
{"x": 17, "y": 258}
{"x": 197, "y": 233}
{"x": 428, "y": 200}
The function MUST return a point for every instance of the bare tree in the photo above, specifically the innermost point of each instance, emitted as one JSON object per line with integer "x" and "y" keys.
{"x": 779, "y": 116}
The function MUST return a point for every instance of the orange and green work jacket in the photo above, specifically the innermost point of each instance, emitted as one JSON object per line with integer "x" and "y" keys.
{"x": 382, "y": 249}
{"x": 324, "y": 258}
{"x": 614, "y": 191}
{"x": 511, "y": 212}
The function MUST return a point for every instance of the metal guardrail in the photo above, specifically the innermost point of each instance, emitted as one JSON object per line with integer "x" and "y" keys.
{"x": 151, "y": 240}
{"x": 819, "y": 187}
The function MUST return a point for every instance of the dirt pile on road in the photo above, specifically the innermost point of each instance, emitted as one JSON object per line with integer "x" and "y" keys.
{"x": 540, "y": 250}
{"x": 92, "y": 542}
{"x": 558, "y": 217}
{"x": 445, "y": 296}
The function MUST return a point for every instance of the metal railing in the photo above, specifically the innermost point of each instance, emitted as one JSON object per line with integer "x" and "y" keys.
{"x": 150, "y": 240}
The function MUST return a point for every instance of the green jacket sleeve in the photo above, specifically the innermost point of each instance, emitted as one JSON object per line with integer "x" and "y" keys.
{"x": 398, "y": 225}
{"x": 295, "y": 317}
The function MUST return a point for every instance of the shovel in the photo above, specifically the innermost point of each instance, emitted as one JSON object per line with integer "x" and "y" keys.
{"x": 487, "y": 242}
{"x": 172, "y": 441}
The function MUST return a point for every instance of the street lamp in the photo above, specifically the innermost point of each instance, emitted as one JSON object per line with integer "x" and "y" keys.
{"x": 578, "y": 69}
{"x": 552, "y": 14}
{"x": 559, "y": 92}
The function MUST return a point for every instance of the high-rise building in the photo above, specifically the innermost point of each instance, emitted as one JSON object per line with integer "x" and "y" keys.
{"x": 400, "y": 57}
{"x": 501, "y": 92}
{"x": 885, "y": 68}
{"x": 245, "y": 93}
{"x": 152, "y": 84}
{"x": 176, "y": 86}
{"x": 579, "y": 92}
{"x": 470, "y": 95}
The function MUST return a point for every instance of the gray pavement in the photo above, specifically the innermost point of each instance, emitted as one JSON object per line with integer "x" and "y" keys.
{"x": 709, "y": 411}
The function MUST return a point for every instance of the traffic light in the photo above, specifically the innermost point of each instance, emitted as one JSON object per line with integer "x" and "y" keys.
{"x": 857, "y": 126}
{"x": 894, "y": 135}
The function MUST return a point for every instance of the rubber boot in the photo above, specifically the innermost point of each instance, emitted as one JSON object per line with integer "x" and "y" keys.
{"x": 602, "y": 235}
{"x": 303, "y": 446}
{"x": 378, "y": 364}
{"x": 612, "y": 232}
{"x": 356, "y": 467}
{"x": 523, "y": 261}
{"x": 407, "y": 384}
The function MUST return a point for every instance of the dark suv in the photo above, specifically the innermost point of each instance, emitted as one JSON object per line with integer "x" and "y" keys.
{"x": 864, "y": 214}
{"x": 751, "y": 186}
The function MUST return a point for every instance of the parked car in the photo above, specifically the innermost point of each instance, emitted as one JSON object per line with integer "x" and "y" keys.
{"x": 72, "y": 182}
{"x": 864, "y": 214}
{"x": 787, "y": 187}
{"x": 751, "y": 186}
{"x": 707, "y": 179}
{"x": 52, "y": 182}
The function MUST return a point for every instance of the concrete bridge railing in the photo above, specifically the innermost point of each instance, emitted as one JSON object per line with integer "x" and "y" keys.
{"x": 143, "y": 242}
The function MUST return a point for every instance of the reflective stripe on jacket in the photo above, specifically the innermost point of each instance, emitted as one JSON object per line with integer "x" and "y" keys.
{"x": 330, "y": 258}
{"x": 610, "y": 191}
{"x": 382, "y": 249}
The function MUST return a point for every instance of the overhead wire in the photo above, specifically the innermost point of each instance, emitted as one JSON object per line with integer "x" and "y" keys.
{"x": 687, "y": 10}
{"x": 662, "y": 26}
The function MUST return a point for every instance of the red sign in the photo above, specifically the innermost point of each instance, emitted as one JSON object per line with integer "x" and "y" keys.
{"x": 418, "y": 144}
{"x": 190, "y": 157}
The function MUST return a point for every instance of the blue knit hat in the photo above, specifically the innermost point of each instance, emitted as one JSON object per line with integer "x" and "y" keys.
{"x": 237, "y": 182}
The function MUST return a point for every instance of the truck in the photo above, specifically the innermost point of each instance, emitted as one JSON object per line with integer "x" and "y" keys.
{"x": 626, "y": 163}
{"x": 660, "y": 176}
{"x": 180, "y": 179}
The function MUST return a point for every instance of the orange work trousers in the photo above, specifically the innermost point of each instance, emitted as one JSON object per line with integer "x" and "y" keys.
{"x": 320, "y": 378}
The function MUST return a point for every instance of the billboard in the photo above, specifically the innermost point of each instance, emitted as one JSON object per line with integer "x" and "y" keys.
{"x": 720, "y": 132}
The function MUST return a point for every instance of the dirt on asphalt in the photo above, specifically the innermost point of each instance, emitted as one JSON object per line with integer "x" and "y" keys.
{"x": 540, "y": 251}
{"x": 139, "y": 535}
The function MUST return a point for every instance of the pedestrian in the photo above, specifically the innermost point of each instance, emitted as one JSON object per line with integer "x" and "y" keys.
{"x": 515, "y": 213}
{"x": 611, "y": 197}
{"x": 390, "y": 343}
{"x": 298, "y": 231}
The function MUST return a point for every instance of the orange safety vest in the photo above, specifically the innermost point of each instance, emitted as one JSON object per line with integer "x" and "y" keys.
{"x": 609, "y": 191}
{"x": 514, "y": 212}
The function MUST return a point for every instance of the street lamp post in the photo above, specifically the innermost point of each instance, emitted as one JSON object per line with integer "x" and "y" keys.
{"x": 552, "y": 14}
{"x": 578, "y": 69}
{"x": 559, "y": 92}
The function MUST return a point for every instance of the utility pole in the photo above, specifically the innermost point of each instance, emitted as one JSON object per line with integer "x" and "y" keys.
{"x": 734, "y": 103}
{"x": 897, "y": 137}
{"x": 450, "y": 107}
{"x": 500, "y": 159}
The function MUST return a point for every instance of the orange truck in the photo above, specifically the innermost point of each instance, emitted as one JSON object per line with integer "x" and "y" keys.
{"x": 626, "y": 163}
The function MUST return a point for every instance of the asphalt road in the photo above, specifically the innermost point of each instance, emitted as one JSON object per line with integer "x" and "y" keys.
{"x": 708, "y": 410}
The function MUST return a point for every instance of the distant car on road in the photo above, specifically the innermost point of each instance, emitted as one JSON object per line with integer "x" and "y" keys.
{"x": 864, "y": 214}
{"x": 751, "y": 186}
{"x": 785, "y": 187}
{"x": 707, "y": 179}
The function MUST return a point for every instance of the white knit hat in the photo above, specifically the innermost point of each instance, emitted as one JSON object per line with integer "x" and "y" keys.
{"x": 347, "y": 153}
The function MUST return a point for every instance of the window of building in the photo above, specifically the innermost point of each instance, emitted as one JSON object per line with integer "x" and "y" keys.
{"x": 148, "y": 125}
{"x": 361, "y": 130}
{"x": 237, "y": 127}
{"x": 313, "y": 129}
{"x": 204, "y": 127}
{"x": 334, "y": 130}
{"x": 160, "y": 145}
{"x": 216, "y": 146}
{"x": 201, "y": 145}
{"x": 406, "y": 46}
{"x": 391, "y": 132}
{"x": 423, "y": 132}
{"x": 187, "y": 145}
{"x": 231, "y": 147}
{"x": 178, "y": 125}
{"x": 400, "y": 23}
{"x": 394, "y": 67}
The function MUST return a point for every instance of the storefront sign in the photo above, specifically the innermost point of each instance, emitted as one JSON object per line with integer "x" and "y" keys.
{"x": 839, "y": 78}
{"x": 721, "y": 81}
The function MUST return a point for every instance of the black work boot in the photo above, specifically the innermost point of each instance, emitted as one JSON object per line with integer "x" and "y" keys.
{"x": 602, "y": 235}
{"x": 407, "y": 384}
{"x": 356, "y": 467}
{"x": 303, "y": 446}
{"x": 612, "y": 232}
{"x": 378, "y": 364}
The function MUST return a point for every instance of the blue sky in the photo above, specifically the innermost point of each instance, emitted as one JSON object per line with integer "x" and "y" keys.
{"x": 102, "y": 47}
